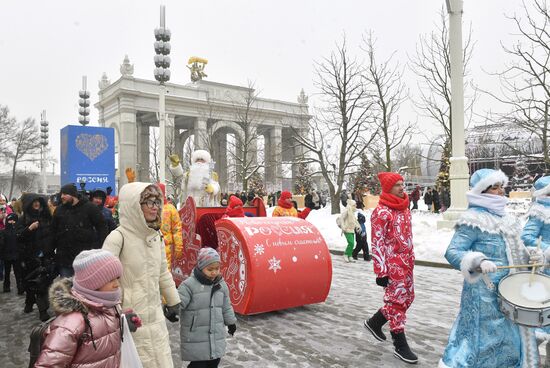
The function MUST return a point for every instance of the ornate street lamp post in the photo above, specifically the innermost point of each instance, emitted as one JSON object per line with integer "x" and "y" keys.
{"x": 162, "y": 74}
{"x": 84, "y": 103}
{"x": 43, "y": 149}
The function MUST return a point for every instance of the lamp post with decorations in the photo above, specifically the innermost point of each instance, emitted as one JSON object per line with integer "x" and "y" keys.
{"x": 84, "y": 103}
{"x": 44, "y": 135}
{"x": 162, "y": 75}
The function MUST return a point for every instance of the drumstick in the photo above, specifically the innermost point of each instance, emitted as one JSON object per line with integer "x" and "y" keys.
{"x": 521, "y": 266}
{"x": 534, "y": 267}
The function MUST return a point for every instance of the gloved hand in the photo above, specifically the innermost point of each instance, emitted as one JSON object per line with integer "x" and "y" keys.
{"x": 171, "y": 313}
{"x": 134, "y": 322}
{"x": 382, "y": 281}
{"x": 209, "y": 188}
{"x": 310, "y": 205}
{"x": 231, "y": 329}
{"x": 536, "y": 255}
{"x": 174, "y": 160}
{"x": 487, "y": 266}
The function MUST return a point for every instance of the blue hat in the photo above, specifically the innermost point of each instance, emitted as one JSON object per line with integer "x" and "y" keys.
{"x": 484, "y": 178}
{"x": 207, "y": 256}
{"x": 542, "y": 186}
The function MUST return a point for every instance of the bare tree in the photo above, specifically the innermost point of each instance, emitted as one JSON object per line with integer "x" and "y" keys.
{"x": 525, "y": 83}
{"x": 24, "y": 146}
{"x": 432, "y": 65}
{"x": 7, "y": 123}
{"x": 244, "y": 150}
{"x": 408, "y": 156}
{"x": 342, "y": 130}
{"x": 25, "y": 181}
{"x": 154, "y": 159}
{"x": 389, "y": 92}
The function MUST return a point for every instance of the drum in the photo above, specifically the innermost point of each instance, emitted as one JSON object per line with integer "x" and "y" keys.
{"x": 524, "y": 303}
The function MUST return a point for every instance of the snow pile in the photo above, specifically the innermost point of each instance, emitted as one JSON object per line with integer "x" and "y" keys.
{"x": 430, "y": 243}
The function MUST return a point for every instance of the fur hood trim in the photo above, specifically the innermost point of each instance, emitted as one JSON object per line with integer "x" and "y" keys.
{"x": 62, "y": 299}
{"x": 200, "y": 154}
{"x": 494, "y": 178}
{"x": 540, "y": 212}
{"x": 486, "y": 221}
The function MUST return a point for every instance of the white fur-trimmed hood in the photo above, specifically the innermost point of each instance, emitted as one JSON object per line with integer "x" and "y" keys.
{"x": 496, "y": 177}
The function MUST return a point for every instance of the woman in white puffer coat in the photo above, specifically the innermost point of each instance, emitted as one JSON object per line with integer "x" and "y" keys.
{"x": 138, "y": 244}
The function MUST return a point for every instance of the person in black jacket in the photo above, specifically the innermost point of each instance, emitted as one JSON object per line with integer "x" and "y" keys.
{"x": 99, "y": 196}
{"x": 361, "y": 239}
{"x": 9, "y": 254}
{"x": 33, "y": 235}
{"x": 77, "y": 225}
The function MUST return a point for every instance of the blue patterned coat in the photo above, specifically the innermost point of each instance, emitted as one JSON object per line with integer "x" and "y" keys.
{"x": 481, "y": 335}
{"x": 537, "y": 225}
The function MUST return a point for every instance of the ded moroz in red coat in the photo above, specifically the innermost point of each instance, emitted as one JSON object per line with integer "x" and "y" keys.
{"x": 393, "y": 256}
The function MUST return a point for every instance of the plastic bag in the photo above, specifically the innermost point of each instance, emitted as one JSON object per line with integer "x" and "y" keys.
{"x": 129, "y": 357}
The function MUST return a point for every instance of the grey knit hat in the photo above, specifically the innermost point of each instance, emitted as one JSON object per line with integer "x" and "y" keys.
{"x": 206, "y": 257}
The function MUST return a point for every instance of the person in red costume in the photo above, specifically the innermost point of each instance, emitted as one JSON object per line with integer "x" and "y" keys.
{"x": 234, "y": 208}
{"x": 285, "y": 207}
{"x": 393, "y": 256}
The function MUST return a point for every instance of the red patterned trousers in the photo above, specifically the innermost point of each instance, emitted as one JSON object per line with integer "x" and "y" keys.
{"x": 398, "y": 297}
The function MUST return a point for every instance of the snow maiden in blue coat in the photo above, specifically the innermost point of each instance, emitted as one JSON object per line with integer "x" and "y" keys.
{"x": 486, "y": 237}
{"x": 538, "y": 225}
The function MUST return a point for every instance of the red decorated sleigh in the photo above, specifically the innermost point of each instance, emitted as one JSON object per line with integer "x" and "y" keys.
{"x": 268, "y": 263}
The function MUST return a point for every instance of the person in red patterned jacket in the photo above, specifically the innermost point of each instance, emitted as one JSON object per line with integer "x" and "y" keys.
{"x": 393, "y": 256}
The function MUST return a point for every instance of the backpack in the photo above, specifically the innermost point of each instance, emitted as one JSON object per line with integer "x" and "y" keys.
{"x": 37, "y": 338}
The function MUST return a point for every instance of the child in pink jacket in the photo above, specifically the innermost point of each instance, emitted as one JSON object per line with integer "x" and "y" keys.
{"x": 87, "y": 330}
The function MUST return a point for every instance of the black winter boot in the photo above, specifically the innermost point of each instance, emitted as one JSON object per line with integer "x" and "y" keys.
{"x": 374, "y": 325}
{"x": 402, "y": 350}
{"x": 44, "y": 316}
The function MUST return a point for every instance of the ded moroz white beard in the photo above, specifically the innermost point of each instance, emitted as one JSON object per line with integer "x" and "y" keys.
{"x": 199, "y": 176}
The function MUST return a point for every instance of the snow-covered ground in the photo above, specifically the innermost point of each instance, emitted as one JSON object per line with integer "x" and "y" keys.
{"x": 430, "y": 243}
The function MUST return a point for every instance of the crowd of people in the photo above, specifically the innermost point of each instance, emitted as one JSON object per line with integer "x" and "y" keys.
{"x": 99, "y": 262}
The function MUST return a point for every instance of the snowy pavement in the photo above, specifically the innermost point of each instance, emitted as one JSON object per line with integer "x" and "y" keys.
{"x": 329, "y": 334}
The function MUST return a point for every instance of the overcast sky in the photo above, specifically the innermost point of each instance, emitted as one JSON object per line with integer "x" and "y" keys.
{"x": 46, "y": 46}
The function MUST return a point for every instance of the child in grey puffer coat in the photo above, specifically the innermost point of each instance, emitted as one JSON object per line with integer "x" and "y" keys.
{"x": 205, "y": 311}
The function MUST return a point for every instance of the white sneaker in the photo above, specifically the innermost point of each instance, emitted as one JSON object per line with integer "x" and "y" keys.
{"x": 346, "y": 259}
{"x": 351, "y": 260}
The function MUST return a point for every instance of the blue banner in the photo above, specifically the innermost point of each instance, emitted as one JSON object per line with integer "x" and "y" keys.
{"x": 88, "y": 156}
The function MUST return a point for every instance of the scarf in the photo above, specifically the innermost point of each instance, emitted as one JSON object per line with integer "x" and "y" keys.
{"x": 493, "y": 203}
{"x": 201, "y": 277}
{"x": 394, "y": 202}
{"x": 282, "y": 203}
{"x": 234, "y": 212}
{"x": 105, "y": 298}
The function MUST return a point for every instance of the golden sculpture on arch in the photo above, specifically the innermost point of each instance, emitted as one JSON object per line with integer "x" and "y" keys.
{"x": 196, "y": 66}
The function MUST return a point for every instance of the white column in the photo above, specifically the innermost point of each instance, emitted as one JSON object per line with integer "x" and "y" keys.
{"x": 127, "y": 155}
{"x": 201, "y": 138}
{"x": 274, "y": 159}
{"x": 162, "y": 133}
{"x": 142, "y": 167}
{"x": 458, "y": 172}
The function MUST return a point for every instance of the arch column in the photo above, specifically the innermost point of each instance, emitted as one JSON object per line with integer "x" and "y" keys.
{"x": 143, "y": 143}
{"x": 273, "y": 158}
{"x": 219, "y": 144}
{"x": 127, "y": 155}
{"x": 200, "y": 131}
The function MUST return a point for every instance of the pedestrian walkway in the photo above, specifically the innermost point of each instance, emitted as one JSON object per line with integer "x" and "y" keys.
{"x": 330, "y": 334}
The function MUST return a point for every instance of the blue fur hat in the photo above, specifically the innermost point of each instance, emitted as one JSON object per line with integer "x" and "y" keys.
{"x": 542, "y": 186}
{"x": 484, "y": 178}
